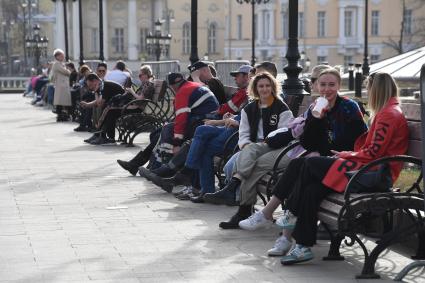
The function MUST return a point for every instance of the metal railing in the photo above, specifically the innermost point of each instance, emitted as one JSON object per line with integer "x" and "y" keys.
{"x": 160, "y": 69}
{"x": 13, "y": 84}
{"x": 224, "y": 67}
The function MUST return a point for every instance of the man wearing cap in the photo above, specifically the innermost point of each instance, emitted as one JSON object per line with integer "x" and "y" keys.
{"x": 200, "y": 72}
{"x": 192, "y": 103}
{"x": 240, "y": 98}
{"x": 106, "y": 90}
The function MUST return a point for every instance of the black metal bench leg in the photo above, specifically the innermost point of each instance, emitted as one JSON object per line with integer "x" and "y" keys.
{"x": 368, "y": 271}
{"x": 336, "y": 240}
{"x": 420, "y": 252}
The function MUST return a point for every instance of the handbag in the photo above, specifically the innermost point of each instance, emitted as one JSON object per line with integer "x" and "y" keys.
{"x": 378, "y": 180}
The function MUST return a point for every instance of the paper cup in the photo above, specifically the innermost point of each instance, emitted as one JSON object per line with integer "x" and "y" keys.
{"x": 321, "y": 103}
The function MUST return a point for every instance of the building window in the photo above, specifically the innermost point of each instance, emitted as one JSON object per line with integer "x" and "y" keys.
{"x": 374, "y": 58}
{"x": 143, "y": 33}
{"x": 186, "y": 38}
{"x": 212, "y": 38}
{"x": 284, "y": 17}
{"x": 94, "y": 40}
{"x": 322, "y": 59}
{"x": 347, "y": 60}
{"x": 118, "y": 40}
{"x": 301, "y": 24}
{"x": 239, "y": 27}
{"x": 348, "y": 23}
{"x": 375, "y": 23}
{"x": 321, "y": 23}
{"x": 407, "y": 18}
{"x": 266, "y": 25}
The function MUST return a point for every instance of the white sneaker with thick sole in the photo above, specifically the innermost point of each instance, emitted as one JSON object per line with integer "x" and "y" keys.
{"x": 297, "y": 255}
{"x": 287, "y": 220}
{"x": 255, "y": 221}
{"x": 281, "y": 247}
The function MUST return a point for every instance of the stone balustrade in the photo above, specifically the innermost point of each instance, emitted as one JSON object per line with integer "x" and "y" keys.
{"x": 13, "y": 84}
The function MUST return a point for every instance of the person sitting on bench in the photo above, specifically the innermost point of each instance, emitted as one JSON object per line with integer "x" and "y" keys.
{"x": 307, "y": 181}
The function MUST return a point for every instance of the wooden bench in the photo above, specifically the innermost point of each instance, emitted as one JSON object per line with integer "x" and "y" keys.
{"x": 374, "y": 215}
{"x": 145, "y": 115}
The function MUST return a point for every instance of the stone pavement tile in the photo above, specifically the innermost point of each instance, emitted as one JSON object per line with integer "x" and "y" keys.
{"x": 65, "y": 276}
{"x": 66, "y": 266}
{"x": 104, "y": 263}
{"x": 160, "y": 277}
{"x": 207, "y": 276}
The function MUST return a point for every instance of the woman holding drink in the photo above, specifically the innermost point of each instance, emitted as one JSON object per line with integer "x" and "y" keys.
{"x": 307, "y": 181}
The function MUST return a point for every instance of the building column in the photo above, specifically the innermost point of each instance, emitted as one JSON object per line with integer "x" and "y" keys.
{"x": 341, "y": 37}
{"x": 59, "y": 33}
{"x": 75, "y": 35}
{"x": 360, "y": 26}
{"x": 105, "y": 30}
{"x": 272, "y": 26}
{"x": 132, "y": 33}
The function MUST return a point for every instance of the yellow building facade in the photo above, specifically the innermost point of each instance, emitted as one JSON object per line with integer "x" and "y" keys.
{"x": 329, "y": 30}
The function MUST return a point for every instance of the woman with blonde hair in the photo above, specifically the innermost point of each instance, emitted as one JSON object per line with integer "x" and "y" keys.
{"x": 147, "y": 87}
{"x": 265, "y": 114}
{"x": 307, "y": 181}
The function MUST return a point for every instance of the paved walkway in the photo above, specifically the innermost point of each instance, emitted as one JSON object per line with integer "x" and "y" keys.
{"x": 68, "y": 213}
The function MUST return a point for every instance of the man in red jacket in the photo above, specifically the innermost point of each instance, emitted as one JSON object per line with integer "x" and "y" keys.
{"x": 192, "y": 104}
{"x": 240, "y": 98}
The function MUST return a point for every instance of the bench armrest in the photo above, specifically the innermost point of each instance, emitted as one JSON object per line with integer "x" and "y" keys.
{"x": 380, "y": 161}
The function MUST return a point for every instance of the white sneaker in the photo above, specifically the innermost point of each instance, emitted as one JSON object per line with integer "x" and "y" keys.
{"x": 281, "y": 247}
{"x": 296, "y": 255}
{"x": 255, "y": 221}
{"x": 287, "y": 220}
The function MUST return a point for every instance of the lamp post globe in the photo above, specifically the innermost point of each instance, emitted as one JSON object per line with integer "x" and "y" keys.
{"x": 158, "y": 43}
{"x": 37, "y": 46}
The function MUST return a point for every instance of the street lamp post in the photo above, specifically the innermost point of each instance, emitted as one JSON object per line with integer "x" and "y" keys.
{"x": 194, "y": 32}
{"x": 157, "y": 42}
{"x": 80, "y": 26}
{"x": 253, "y": 3}
{"x": 37, "y": 46}
{"x": 101, "y": 56}
{"x": 358, "y": 81}
{"x": 366, "y": 54}
{"x": 292, "y": 84}
{"x": 350, "y": 76}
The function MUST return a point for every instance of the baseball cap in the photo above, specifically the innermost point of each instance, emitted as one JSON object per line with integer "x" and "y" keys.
{"x": 196, "y": 66}
{"x": 173, "y": 78}
{"x": 242, "y": 69}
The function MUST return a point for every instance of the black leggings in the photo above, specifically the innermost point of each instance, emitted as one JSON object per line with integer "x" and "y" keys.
{"x": 301, "y": 186}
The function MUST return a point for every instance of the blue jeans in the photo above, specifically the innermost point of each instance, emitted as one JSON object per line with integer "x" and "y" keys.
{"x": 207, "y": 142}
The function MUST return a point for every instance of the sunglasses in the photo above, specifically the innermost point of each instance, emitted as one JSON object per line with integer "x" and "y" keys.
{"x": 101, "y": 71}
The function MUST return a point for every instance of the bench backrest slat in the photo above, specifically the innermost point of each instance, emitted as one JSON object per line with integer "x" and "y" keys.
{"x": 160, "y": 87}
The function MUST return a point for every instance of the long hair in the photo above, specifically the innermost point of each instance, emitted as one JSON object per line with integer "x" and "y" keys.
{"x": 381, "y": 87}
{"x": 252, "y": 87}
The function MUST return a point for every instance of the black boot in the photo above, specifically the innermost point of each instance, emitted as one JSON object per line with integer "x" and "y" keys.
{"x": 143, "y": 156}
{"x": 225, "y": 196}
{"x": 130, "y": 167}
{"x": 243, "y": 213}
